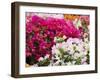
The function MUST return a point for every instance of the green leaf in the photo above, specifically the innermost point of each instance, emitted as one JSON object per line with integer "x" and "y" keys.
{"x": 45, "y": 62}
{"x": 78, "y": 61}
{"x": 36, "y": 43}
{"x": 48, "y": 39}
{"x": 31, "y": 60}
{"x": 59, "y": 40}
{"x": 68, "y": 58}
{"x": 62, "y": 52}
{"x": 88, "y": 57}
{"x": 84, "y": 26}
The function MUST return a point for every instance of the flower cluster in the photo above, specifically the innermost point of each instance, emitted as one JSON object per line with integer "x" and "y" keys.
{"x": 56, "y": 41}
{"x": 71, "y": 52}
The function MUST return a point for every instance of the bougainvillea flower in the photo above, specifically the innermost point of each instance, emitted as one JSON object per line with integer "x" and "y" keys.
{"x": 71, "y": 31}
{"x": 41, "y": 34}
{"x": 44, "y": 31}
{"x": 85, "y": 19}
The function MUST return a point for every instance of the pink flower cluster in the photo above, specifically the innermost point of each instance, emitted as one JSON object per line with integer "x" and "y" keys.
{"x": 40, "y": 34}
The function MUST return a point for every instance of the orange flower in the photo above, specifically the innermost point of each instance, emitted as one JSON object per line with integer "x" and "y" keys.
{"x": 70, "y": 17}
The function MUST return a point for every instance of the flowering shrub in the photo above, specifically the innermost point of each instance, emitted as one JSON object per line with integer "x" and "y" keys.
{"x": 70, "y": 52}
{"x": 54, "y": 41}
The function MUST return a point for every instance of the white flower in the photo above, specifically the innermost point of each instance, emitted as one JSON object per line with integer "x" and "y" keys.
{"x": 73, "y": 62}
{"x": 70, "y": 50}
{"x": 74, "y": 40}
{"x": 55, "y": 51}
{"x": 73, "y": 48}
{"x": 40, "y": 59}
{"x": 69, "y": 63}
{"x": 57, "y": 63}
{"x": 83, "y": 59}
{"x": 47, "y": 56}
{"x": 76, "y": 55}
{"x": 85, "y": 63}
{"x": 64, "y": 37}
{"x": 55, "y": 38}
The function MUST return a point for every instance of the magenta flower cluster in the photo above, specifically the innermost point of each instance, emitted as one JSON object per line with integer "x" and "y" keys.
{"x": 40, "y": 33}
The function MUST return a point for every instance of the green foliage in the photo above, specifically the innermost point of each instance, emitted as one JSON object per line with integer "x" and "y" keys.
{"x": 84, "y": 26}
{"x": 36, "y": 43}
{"x": 48, "y": 39}
{"x": 78, "y": 61}
{"x": 88, "y": 58}
{"x": 58, "y": 40}
{"x": 68, "y": 59}
{"x": 30, "y": 60}
{"x": 45, "y": 62}
{"x": 62, "y": 52}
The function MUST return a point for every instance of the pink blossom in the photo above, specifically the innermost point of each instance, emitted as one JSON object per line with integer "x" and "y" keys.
{"x": 40, "y": 34}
